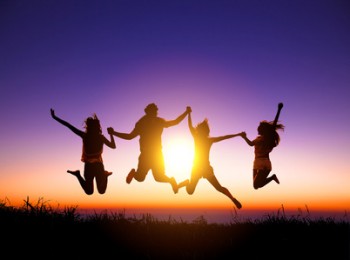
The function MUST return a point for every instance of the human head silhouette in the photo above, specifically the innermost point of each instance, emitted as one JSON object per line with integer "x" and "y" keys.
{"x": 265, "y": 128}
{"x": 92, "y": 125}
{"x": 203, "y": 128}
{"x": 269, "y": 131}
{"x": 151, "y": 109}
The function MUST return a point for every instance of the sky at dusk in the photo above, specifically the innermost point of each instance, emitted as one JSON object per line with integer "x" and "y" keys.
{"x": 231, "y": 61}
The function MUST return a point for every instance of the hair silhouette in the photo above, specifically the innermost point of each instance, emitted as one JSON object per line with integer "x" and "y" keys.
{"x": 93, "y": 142}
{"x": 267, "y": 139}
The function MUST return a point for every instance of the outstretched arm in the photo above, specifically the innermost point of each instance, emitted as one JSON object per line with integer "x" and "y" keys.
{"x": 126, "y": 136}
{"x": 224, "y": 137}
{"x": 110, "y": 143}
{"x": 280, "y": 105}
{"x": 74, "y": 129}
{"x": 190, "y": 126}
{"x": 244, "y": 136}
{"x": 179, "y": 118}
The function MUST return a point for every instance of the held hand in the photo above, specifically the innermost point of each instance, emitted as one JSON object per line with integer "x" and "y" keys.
{"x": 188, "y": 109}
{"x": 110, "y": 130}
{"x": 243, "y": 134}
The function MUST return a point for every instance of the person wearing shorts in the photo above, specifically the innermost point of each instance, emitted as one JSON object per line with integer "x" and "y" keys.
{"x": 149, "y": 128}
{"x": 201, "y": 165}
{"x": 267, "y": 139}
{"x": 93, "y": 142}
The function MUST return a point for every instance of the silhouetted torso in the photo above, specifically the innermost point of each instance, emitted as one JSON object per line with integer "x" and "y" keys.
{"x": 92, "y": 148}
{"x": 202, "y": 150}
{"x": 261, "y": 147}
{"x": 150, "y": 130}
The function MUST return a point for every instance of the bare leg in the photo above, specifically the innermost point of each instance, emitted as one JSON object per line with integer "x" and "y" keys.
{"x": 101, "y": 182}
{"x": 191, "y": 186}
{"x": 223, "y": 190}
{"x": 164, "y": 178}
{"x": 174, "y": 185}
{"x": 130, "y": 176}
{"x": 261, "y": 178}
{"x": 83, "y": 183}
{"x": 183, "y": 183}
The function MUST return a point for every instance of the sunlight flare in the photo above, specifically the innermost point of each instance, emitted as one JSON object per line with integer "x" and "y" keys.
{"x": 178, "y": 158}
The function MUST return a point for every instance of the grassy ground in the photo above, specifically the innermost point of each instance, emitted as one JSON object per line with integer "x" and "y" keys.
{"x": 41, "y": 232}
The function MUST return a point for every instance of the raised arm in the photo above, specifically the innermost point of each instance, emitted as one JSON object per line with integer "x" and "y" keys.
{"x": 126, "y": 136}
{"x": 224, "y": 137}
{"x": 74, "y": 129}
{"x": 179, "y": 118}
{"x": 280, "y": 105}
{"x": 110, "y": 143}
{"x": 190, "y": 125}
{"x": 244, "y": 136}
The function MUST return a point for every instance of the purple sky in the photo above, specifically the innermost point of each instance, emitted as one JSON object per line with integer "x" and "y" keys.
{"x": 232, "y": 61}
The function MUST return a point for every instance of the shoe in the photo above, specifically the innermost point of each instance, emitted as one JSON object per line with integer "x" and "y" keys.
{"x": 276, "y": 179}
{"x": 130, "y": 176}
{"x": 107, "y": 173}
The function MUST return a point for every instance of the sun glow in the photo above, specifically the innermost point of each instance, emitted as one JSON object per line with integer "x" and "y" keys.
{"x": 178, "y": 158}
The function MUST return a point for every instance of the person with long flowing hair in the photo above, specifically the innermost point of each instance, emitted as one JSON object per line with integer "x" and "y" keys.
{"x": 93, "y": 142}
{"x": 267, "y": 139}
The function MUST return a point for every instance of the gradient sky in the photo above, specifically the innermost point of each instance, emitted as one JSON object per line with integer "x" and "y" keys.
{"x": 231, "y": 61}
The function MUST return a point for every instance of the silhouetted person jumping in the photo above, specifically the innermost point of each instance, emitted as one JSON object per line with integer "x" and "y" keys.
{"x": 264, "y": 143}
{"x": 201, "y": 165}
{"x": 93, "y": 141}
{"x": 150, "y": 128}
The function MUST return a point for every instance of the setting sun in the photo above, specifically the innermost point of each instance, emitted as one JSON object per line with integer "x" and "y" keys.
{"x": 231, "y": 62}
{"x": 178, "y": 157}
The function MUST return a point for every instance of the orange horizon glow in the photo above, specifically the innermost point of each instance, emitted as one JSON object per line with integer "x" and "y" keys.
{"x": 326, "y": 206}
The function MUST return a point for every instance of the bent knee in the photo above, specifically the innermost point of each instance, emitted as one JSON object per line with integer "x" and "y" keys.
{"x": 190, "y": 191}
{"x": 256, "y": 186}
{"x": 139, "y": 178}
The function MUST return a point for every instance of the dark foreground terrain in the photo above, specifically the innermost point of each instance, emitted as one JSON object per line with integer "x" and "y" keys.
{"x": 40, "y": 232}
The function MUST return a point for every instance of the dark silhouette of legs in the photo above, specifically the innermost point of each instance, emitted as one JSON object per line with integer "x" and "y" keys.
{"x": 130, "y": 176}
{"x": 212, "y": 179}
{"x": 163, "y": 178}
{"x": 101, "y": 183}
{"x": 97, "y": 171}
{"x": 192, "y": 183}
{"x": 91, "y": 171}
{"x": 75, "y": 173}
{"x": 274, "y": 177}
{"x": 260, "y": 178}
{"x": 191, "y": 186}
{"x": 142, "y": 169}
{"x": 86, "y": 185}
{"x": 183, "y": 184}
{"x": 174, "y": 185}
{"x": 139, "y": 175}
{"x": 154, "y": 163}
